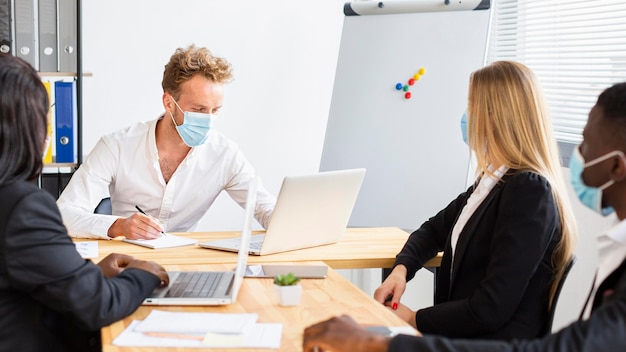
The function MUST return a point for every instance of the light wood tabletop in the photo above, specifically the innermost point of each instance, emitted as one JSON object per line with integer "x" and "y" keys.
{"x": 321, "y": 299}
{"x": 359, "y": 248}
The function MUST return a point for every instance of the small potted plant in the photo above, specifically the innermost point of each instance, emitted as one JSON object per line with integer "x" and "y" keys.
{"x": 287, "y": 289}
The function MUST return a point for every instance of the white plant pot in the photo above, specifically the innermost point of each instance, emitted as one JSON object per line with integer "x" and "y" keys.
{"x": 288, "y": 295}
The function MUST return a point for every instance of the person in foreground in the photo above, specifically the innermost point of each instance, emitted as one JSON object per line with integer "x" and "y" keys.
{"x": 172, "y": 168}
{"x": 598, "y": 175}
{"x": 507, "y": 239}
{"x": 51, "y": 299}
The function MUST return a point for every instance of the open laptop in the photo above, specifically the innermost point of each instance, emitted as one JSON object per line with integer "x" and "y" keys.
{"x": 209, "y": 287}
{"x": 311, "y": 210}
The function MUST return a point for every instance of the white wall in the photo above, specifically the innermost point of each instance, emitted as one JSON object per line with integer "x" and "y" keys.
{"x": 284, "y": 54}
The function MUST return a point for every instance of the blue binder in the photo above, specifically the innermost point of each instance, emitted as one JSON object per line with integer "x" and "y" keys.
{"x": 66, "y": 121}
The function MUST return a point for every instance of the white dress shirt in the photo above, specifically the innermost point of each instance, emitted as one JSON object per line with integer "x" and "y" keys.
{"x": 485, "y": 185}
{"x": 125, "y": 166}
{"x": 611, "y": 253}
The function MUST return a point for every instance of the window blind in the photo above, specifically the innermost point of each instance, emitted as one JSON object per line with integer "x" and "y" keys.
{"x": 577, "y": 48}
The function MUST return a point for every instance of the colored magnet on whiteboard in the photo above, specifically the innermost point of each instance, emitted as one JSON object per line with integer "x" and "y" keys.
{"x": 410, "y": 82}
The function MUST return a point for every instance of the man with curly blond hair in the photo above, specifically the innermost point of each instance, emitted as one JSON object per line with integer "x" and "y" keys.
{"x": 173, "y": 167}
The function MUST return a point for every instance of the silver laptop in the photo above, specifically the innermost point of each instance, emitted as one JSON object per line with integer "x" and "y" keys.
{"x": 209, "y": 287}
{"x": 311, "y": 210}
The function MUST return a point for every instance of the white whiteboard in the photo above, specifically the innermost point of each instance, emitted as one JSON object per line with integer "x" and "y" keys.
{"x": 412, "y": 149}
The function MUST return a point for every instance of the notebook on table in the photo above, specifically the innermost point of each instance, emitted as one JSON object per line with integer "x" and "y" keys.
{"x": 165, "y": 241}
{"x": 311, "y": 210}
{"x": 209, "y": 287}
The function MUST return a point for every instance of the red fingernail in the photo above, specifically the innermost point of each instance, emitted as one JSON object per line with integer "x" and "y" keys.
{"x": 394, "y": 306}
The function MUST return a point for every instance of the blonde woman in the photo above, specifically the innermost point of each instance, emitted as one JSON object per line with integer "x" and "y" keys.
{"x": 507, "y": 239}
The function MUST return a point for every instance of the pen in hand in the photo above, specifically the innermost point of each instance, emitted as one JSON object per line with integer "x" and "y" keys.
{"x": 144, "y": 213}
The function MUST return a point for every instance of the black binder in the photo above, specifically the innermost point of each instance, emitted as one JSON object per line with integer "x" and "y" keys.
{"x": 6, "y": 44}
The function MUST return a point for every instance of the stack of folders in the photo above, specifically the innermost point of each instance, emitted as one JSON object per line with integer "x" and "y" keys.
{"x": 179, "y": 329}
{"x": 42, "y": 32}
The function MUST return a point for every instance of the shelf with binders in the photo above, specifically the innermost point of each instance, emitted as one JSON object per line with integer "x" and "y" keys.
{"x": 47, "y": 34}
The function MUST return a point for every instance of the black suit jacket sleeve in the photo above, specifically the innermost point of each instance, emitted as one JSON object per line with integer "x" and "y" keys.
{"x": 42, "y": 262}
{"x": 430, "y": 238}
{"x": 605, "y": 330}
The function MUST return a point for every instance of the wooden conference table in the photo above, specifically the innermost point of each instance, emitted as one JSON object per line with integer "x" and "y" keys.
{"x": 359, "y": 248}
{"x": 321, "y": 299}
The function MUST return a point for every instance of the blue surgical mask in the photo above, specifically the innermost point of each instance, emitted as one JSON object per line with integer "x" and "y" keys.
{"x": 464, "y": 127}
{"x": 195, "y": 128}
{"x": 591, "y": 197}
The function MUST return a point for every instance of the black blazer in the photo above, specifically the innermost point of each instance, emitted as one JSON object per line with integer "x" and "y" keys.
{"x": 499, "y": 285}
{"x": 605, "y": 330}
{"x": 51, "y": 299}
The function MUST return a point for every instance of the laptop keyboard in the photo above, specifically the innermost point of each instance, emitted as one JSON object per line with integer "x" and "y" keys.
{"x": 256, "y": 242}
{"x": 256, "y": 245}
{"x": 194, "y": 284}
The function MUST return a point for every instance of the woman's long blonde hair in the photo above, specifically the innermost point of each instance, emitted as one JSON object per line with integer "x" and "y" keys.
{"x": 509, "y": 125}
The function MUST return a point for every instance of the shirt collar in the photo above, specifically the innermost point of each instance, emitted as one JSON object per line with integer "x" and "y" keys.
{"x": 618, "y": 232}
{"x": 152, "y": 138}
{"x": 489, "y": 181}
